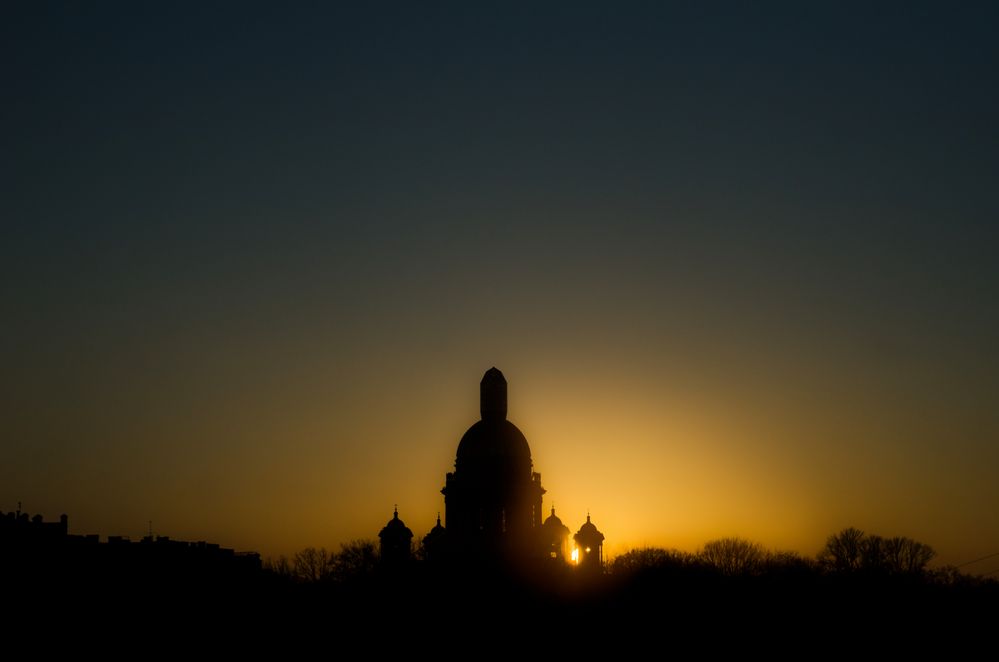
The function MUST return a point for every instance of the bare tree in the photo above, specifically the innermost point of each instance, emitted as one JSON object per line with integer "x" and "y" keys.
{"x": 851, "y": 549}
{"x": 843, "y": 550}
{"x": 734, "y": 556}
{"x": 872, "y": 554}
{"x": 650, "y": 558}
{"x": 906, "y": 556}
{"x": 357, "y": 558}
{"x": 313, "y": 565}
{"x": 784, "y": 562}
{"x": 280, "y": 566}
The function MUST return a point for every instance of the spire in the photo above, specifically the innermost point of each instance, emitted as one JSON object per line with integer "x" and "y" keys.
{"x": 395, "y": 512}
{"x": 438, "y": 519}
{"x": 492, "y": 395}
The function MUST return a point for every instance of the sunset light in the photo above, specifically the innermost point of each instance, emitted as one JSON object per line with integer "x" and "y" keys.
{"x": 650, "y": 327}
{"x": 738, "y": 264}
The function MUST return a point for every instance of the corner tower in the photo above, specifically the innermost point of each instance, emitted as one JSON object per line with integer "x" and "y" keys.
{"x": 590, "y": 543}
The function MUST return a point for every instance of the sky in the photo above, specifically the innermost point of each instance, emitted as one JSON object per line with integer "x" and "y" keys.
{"x": 736, "y": 260}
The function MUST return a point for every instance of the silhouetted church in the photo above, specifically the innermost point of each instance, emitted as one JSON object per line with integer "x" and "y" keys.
{"x": 492, "y": 499}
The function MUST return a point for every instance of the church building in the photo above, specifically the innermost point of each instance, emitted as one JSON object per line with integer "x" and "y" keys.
{"x": 492, "y": 499}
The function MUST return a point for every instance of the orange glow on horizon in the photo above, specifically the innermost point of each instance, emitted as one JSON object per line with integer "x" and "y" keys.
{"x": 656, "y": 464}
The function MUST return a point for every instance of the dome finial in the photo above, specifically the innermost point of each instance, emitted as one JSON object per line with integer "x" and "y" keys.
{"x": 395, "y": 511}
{"x": 438, "y": 518}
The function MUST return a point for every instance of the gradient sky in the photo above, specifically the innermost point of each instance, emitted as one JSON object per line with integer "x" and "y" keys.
{"x": 737, "y": 262}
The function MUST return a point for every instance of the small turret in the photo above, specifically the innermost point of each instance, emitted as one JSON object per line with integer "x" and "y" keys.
{"x": 396, "y": 540}
{"x": 590, "y": 543}
{"x": 555, "y": 537}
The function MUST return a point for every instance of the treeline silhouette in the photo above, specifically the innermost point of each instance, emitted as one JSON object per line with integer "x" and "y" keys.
{"x": 859, "y": 587}
{"x": 855, "y": 587}
{"x": 849, "y": 552}
{"x": 356, "y": 560}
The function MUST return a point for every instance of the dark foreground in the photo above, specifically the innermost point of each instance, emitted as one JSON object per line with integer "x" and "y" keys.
{"x": 474, "y": 611}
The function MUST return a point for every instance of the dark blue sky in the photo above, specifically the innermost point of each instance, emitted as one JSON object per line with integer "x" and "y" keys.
{"x": 748, "y": 198}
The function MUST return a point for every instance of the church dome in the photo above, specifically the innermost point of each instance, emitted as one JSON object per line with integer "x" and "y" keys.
{"x": 493, "y": 442}
{"x": 395, "y": 529}
{"x": 553, "y": 521}
{"x": 553, "y": 527}
{"x": 588, "y": 533}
